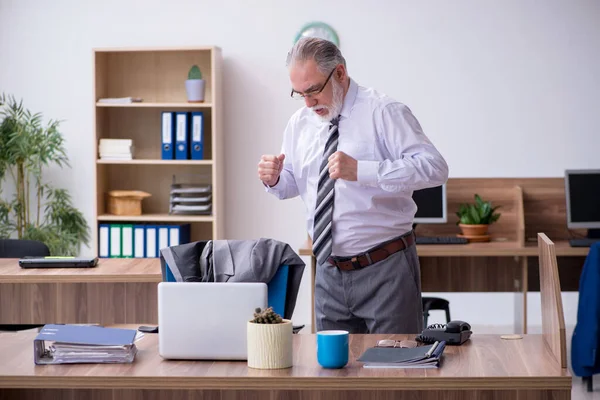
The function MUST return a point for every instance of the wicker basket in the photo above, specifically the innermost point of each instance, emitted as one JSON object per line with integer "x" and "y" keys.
{"x": 125, "y": 202}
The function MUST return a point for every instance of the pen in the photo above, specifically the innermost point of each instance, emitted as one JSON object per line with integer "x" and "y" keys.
{"x": 432, "y": 349}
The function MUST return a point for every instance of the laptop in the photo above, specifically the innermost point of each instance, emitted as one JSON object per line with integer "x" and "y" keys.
{"x": 207, "y": 320}
{"x": 58, "y": 262}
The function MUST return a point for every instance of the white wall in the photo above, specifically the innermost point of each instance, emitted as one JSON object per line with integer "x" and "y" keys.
{"x": 504, "y": 89}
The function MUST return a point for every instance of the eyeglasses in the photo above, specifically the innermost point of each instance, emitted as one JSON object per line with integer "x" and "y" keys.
{"x": 409, "y": 344}
{"x": 311, "y": 93}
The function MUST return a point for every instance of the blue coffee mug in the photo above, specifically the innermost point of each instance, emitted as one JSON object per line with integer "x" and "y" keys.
{"x": 332, "y": 348}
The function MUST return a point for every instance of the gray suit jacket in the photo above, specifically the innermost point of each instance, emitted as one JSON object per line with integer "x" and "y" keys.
{"x": 235, "y": 261}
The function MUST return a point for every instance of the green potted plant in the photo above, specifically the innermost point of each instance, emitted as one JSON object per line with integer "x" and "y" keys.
{"x": 475, "y": 219}
{"x": 194, "y": 85}
{"x": 269, "y": 340}
{"x": 30, "y": 208}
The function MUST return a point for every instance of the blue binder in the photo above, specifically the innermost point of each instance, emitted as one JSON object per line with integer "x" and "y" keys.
{"x": 197, "y": 126}
{"x": 182, "y": 136}
{"x": 79, "y": 339}
{"x": 168, "y": 135}
{"x": 151, "y": 243}
{"x": 179, "y": 234}
{"x": 104, "y": 240}
{"x": 139, "y": 241}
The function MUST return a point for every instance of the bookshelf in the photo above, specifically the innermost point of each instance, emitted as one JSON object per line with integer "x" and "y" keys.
{"x": 157, "y": 75}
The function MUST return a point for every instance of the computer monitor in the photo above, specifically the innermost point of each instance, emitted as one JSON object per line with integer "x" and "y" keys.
{"x": 431, "y": 205}
{"x": 582, "y": 189}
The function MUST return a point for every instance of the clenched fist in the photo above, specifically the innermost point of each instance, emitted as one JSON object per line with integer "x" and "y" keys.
{"x": 342, "y": 166}
{"x": 269, "y": 168}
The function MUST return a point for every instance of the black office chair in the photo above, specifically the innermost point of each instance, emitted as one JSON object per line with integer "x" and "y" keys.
{"x": 435, "y": 303}
{"x": 17, "y": 248}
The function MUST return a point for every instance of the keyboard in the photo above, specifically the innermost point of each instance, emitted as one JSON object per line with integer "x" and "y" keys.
{"x": 582, "y": 242}
{"x": 441, "y": 240}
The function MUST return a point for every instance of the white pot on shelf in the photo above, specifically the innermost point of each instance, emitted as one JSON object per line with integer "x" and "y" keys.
{"x": 270, "y": 345}
{"x": 194, "y": 89}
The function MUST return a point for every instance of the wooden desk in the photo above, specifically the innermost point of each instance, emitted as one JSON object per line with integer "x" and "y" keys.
{"x": 484, "y": 367}
{"x": 116, "y": 291}
{"x": 509, "y": 262}
{"x": 512, "y": 255}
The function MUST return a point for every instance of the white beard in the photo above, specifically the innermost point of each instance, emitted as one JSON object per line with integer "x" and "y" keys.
{"x": 336, "y": 104}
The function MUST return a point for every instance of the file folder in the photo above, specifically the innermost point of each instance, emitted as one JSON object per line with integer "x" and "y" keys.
{"x": 151, "y": 237}
{"x": 168, "y": 135}
{"x": 73, "y": 344}
{"x": 127, "y": 241}
{"x": 179, "y": 234}
{"x": 163, "y": 237}
{"x": 182, "y": 136}
{"x": 197, "y": 151}
{"x": 396, "y": 357}
{"x": 104, "y": 240}
{"x": 115, "y": 241}
{"x": 139, "y": 241}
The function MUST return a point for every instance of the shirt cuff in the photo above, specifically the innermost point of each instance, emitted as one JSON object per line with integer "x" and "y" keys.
{"x": 367, "y": 172}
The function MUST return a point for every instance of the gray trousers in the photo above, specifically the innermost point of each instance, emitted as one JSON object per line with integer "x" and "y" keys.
{"x": 384, "y": 297}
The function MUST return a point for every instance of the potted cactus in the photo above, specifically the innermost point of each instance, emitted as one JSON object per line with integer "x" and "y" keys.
{"x": 194, "y": 85}
{"x": 269, "y": 340}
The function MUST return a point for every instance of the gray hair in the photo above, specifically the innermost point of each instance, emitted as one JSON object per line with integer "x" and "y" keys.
{"x": 325, "y": 53}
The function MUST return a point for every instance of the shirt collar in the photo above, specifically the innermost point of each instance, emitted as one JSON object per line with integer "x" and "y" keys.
{"x": 349, "y": 99}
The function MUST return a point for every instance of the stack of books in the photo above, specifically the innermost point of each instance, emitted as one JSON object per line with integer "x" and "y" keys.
{"x": 119, "y": 100}
{"x": 192, "y": 199}
{"x": 74, "y": 344}
{"x": 116, "y": 149}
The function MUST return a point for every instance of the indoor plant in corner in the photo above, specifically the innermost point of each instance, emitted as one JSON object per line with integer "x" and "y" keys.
{"x": 475, "y": 219}
{"x": 269, "y": 340}
{"x": 194, "y": 86}
{"x": 31, "y": 208}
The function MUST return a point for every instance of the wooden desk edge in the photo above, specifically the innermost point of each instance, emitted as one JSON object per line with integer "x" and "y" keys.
{"x": 112, "y": 278}
{"x": 289, "y": 383}
{"x": 457, "y": 250}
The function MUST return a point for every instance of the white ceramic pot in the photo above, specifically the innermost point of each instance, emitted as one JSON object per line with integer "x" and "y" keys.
{"x": 194, "y": 89}
{"x": 270, "y": 345}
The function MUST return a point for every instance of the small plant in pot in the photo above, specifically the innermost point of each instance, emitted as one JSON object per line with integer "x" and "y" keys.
{"x": 475, "y": 219}
{"x": 194, "y": 85}
{"x": 269, "y": 340}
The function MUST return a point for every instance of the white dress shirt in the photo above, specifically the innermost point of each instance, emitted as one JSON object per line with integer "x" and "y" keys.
{"x": 394, "y": 159}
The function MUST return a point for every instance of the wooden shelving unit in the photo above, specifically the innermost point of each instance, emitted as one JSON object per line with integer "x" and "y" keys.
{"x": 157, "y": 75}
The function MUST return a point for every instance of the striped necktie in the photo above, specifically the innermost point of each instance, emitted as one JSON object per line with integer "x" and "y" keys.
{"x": 322, "y": 239}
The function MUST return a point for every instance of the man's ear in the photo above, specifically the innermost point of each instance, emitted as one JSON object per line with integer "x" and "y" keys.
{"x": 340, "y": 73}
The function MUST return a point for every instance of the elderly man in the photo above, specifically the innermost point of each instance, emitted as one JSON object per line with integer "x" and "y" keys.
{"x": 355, "y": 156}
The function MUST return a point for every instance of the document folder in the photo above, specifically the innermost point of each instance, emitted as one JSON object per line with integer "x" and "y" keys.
{"x": 197, "y": 150}
{"x": 395, "y": 357}
{"x": 74, "y": 344}
{"x": 182, "y": 136}
{"x": 168, "y": 135}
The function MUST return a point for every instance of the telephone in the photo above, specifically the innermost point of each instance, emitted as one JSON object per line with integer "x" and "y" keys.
{"x": 454, "y": 332}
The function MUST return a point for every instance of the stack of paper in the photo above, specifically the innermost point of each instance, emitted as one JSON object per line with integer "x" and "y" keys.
{"x": 70, "y": 344}
{"x": 116, "y": 149}
{"x": 396, "y": 357}
{"x": 120, "y": 100}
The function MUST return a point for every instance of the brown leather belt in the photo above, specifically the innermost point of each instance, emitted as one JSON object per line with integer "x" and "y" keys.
{"x": 379, "y": 253}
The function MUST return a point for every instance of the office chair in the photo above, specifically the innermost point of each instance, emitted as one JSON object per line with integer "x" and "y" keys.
{"x": 435, "y": 303}
{"x": 17, "y": 248}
